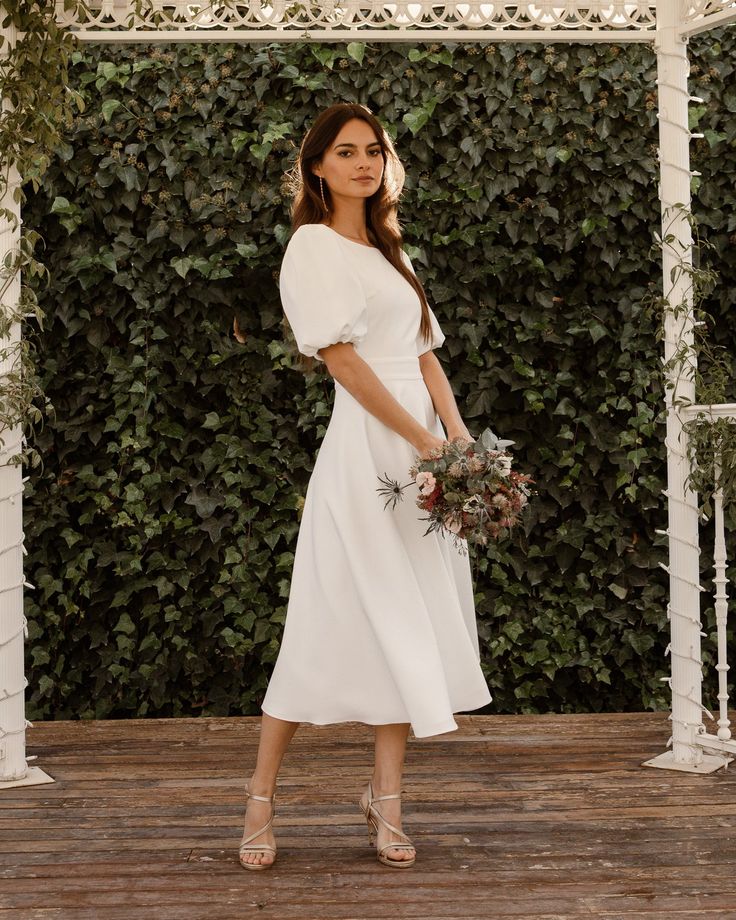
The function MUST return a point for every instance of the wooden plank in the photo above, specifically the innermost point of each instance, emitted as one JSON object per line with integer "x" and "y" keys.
{"x": 545, "y": 817}
{"x": 366, "y": 903}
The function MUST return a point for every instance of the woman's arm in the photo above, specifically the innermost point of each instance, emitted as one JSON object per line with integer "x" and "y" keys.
{"x": 442, "y": 396}
{"x": 360, "y": 380}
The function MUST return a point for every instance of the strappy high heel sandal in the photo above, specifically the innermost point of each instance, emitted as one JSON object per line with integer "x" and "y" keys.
{"x": 246, "y": 846}
{"x": 371, "y": 814}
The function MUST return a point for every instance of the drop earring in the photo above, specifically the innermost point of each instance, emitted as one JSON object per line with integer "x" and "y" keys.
{"x": 322, "y": 193}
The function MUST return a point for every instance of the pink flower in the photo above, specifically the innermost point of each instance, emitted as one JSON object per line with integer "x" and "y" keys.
{"x": 426, "y": 483}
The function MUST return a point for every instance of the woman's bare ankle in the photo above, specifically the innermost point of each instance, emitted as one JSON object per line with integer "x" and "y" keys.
{"x": 262, "y": 785}
{"x": 385, "y": 785}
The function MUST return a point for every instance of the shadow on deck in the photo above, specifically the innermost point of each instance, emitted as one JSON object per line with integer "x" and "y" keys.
{"x": 532, "y": 817}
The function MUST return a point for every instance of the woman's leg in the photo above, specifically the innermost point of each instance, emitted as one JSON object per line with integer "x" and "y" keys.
{"x": 386, "y": 779}
{"x": 274, "y": 739}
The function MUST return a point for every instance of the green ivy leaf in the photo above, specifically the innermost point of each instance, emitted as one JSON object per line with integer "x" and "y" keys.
{"x": 356, "y": 50}
{"x": 181, "y": 266}
{"x": 124, "y": 625}
{"x": 260, "y": 151}
{"x": 108, "y": 107}
{"x": 418, "y": 117}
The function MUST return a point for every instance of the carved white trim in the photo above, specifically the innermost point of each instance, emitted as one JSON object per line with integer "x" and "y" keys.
{"x": 336, "y": 20}
{"x": 702, "y": 15}
{"x": 694, "y": 9}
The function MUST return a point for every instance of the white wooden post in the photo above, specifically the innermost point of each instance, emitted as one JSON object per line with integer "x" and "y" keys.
{"x": 720, "y": 562}
{"x": 14, "y": 770}
{"x": 684, "y": 571}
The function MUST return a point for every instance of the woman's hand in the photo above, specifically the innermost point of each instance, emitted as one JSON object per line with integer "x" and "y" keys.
{"x": 459, "y": 432}
{"x": 431, "y": 441}
{"x": 427, "y": 444}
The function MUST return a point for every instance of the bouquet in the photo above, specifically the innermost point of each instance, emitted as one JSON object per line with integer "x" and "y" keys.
{"x": 469, "y": 489}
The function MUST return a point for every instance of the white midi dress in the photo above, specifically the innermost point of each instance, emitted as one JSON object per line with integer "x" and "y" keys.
{"x": 380, "y": 624}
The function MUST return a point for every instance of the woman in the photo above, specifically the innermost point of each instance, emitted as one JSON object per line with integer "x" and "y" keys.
{"x": 380, "y": 625}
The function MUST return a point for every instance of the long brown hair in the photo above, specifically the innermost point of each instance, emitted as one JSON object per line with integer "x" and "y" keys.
{"x": 381, "y": 211}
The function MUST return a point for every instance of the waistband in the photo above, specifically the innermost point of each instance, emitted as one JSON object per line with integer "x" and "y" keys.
{"x": 395, "y": 367}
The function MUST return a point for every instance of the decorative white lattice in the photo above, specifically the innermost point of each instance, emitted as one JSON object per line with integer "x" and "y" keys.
{"x": 595, "y": 19}
{"x": 694, "y": 9}
{"x": 701, "y": 15}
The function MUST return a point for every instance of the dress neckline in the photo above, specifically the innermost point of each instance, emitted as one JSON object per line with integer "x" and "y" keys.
{"x": 354, "y": 242}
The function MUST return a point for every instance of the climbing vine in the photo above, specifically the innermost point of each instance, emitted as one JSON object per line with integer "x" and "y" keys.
{"x": 40, "y": 104}
{"x": 710, "y": 438}
{"x": 162, "y": 526}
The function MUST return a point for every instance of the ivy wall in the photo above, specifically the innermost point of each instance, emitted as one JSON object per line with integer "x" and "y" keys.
{"x": 161, "y": 528}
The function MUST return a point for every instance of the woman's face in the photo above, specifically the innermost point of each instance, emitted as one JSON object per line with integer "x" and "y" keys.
{"x": 354, "y": 153}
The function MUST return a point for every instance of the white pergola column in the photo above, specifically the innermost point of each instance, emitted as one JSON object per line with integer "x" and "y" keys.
{"x": 12, "y": 711}
{"x": 14, "y": 770}
{"x": 683, "y": 609}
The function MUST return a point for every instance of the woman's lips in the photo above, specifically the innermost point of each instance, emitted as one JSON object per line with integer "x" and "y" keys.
{"x": 365, "y": 179}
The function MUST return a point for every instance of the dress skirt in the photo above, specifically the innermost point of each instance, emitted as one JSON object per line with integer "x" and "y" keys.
{"x": 380, "y": 625}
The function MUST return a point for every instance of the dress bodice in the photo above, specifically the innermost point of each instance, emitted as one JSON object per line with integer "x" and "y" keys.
{"x": 334, "y": 289}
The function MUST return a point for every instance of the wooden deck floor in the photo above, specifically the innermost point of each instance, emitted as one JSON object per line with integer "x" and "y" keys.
{"x": 531, "y": 817}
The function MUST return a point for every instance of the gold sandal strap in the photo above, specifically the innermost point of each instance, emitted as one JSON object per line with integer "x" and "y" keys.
{"x": 380, "y": 798}
{"x": 264, "y": 828}
{"x": 254, "y": 849}
{"x": 386, "y": 823}
{"x": 398, "y": 846}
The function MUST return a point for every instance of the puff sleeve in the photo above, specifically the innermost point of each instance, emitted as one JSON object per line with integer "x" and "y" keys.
{"x": 438, "y": 336}
{"x": 322, "y": 296}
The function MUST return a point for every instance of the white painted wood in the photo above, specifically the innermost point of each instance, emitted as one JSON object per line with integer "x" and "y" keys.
{"x": 721, "y": 609}
{"x": 713, "y": 411}
{"x": 674, "y": 189}
{"x": 708, "y": 763}
{"x": 12, "y": 622}
{"x": 705, "y": 413}
{"x": 346, "y": 35}
{"x": 34, "y": 776}
{"x": 712, "y": 743}
{"x": 703, "y": 15}
{"x": 333, "y": 20}
{"x": 350, "y": 20}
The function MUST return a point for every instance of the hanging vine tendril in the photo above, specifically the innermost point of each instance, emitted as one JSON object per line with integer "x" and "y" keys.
{"x": 711, "y": 436}
{"x": 38, "y": 106}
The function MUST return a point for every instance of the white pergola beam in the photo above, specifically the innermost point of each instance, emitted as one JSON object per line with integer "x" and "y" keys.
{"x": 715, "y": 411}
{"x": 414, "y": 35}
{"x": 718, "y": 15}
{"x": 374, "y": 20}
{"x": 345, "y": 35}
